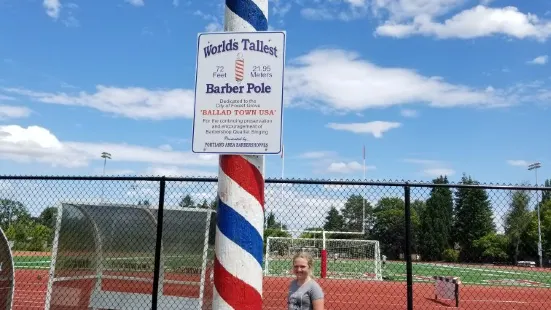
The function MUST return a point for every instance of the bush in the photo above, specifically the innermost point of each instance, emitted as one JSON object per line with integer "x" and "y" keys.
{"x": 450, "y": 255}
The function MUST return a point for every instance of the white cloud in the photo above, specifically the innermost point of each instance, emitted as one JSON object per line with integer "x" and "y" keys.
{"x": 518, "y": 162}
{"x": 432, "y": 168}
{"x": 302, "y": 208}
{"x": 436, "y": 172}
{"x": 317, "y": 154}
{"x": 132, "y": 102}
{"x": 176, "y": 171}
{"x": 136, "y": 2}
{"x": 214, "y": 24}
{"x": 422, "y": 161}
{"x": 175, "y": 3}
{"x": 165, "y": 147}
{"x": 10, "y": 111}
{"x": 402, "y": 9}
{"x": 38, "y": 144}
{"x": 409, "y": 113}
{"x": 53, "y": 7}
{"x": 376, "y": 128}
{"x": 347, "y": 167}
{"x": 342, "y": 81}
{"x": 334, "y": 10}
{"x": 6, "y": 98}
{"x": 476, "y": 22}
{"x": 540, "y": 60}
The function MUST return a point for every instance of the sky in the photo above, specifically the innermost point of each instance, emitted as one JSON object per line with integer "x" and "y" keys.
{"x": 429, "y": 87}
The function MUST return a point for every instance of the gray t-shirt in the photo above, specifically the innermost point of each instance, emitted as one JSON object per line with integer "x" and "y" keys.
{"x": 301, "y": 297}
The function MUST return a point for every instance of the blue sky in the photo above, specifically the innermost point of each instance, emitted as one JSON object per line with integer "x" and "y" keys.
{"x": 429, "y": 87}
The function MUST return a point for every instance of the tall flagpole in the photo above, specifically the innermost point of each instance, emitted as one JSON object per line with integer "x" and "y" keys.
{"x": 282, "y": 167}
{"x": 363, "y": 198}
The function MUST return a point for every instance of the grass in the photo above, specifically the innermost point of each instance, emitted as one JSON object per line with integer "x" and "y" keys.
{"x": 392, "y": 271}
{"x": 423, "y": 272}
{"x": 186, "y": 263}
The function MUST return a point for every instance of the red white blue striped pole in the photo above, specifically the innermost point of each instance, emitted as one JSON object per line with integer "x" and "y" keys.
{"x": 240, "y": 217}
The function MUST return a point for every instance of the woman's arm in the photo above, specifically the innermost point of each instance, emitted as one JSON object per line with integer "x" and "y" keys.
{"x": 318, "y": 304}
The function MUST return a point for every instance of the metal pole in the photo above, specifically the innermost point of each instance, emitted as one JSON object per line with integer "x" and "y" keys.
{"x": 363, "y": 199}
{"x": 535, "y": 167}
{"x": 239, "y": 242}
{"x": 409, "y": 268}
{"x": 158, "y": 245}
{"x": 105, "y": 156}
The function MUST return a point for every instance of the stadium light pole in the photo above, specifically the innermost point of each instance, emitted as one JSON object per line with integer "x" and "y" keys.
{"x": 535, "y": 166}
{"x": 105, "y": 157}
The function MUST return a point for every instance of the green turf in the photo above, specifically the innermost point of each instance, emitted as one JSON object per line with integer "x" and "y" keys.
{"x": 185, "y": 263}
{"x": 392, "y": 271}
{"x": 31, "y": 262}
{"x": 423, "y": 272}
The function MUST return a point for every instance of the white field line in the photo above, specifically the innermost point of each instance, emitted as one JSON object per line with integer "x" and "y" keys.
{"x": 478, "y": 269}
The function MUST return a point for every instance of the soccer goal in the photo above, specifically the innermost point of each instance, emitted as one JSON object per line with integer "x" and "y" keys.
{"x": 104, "y": 257}
{"x": 333, "y": 258}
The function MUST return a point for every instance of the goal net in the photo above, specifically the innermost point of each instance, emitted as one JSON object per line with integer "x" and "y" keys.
{"x": 340, "y": 259}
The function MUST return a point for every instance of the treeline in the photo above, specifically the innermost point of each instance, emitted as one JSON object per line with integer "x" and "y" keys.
{"x": 28, "y": 233}
{"x": 452, "y": 226}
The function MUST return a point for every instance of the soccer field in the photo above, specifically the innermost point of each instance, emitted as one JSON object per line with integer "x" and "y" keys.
{"x": 423, "y": 272}
{"x": 31, "y": 262}
{"x": 392, "y": 271}
{"x": 471, "y": 274}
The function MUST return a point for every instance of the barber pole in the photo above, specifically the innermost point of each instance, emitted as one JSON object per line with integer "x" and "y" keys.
{"x": 239, "y": 68}
{"x": 240, "y": 218}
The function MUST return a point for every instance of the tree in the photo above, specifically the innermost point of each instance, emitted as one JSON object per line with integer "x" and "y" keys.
{"x": 546, "y": 195}
{"x": 334, "y": 221}
{"x": 473, "y": 217}
{"x": 389, "y": 224}
{"x": 203, "y": 205}
{"x": 214, "y": 204}
{"x": 353, "y": 214}
{"x": 12, "y": 212}
{"x": 517, "y": 221}
{"x": 492, "y": 247}
{"x": 313, "y": 233}
{"x": 274, "y": 228}
{"x": 39, "y": 237}
{"x": 48, "y": 217}
{"x": 144, "y": 203}
{"x": 187, "y": 202}
{"x": 436, "y": 222}
{"x": 272, "y": 222}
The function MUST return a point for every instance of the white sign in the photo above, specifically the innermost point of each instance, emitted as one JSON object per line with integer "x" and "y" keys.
{"x": 239, "y": 93}
{"x": 445, "y": 287}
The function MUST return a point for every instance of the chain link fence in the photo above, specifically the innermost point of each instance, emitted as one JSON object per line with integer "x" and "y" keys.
{"x": 148, "y": 243}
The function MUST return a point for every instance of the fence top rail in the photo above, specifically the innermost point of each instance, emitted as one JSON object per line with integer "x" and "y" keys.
{"x": 402, "y": 183}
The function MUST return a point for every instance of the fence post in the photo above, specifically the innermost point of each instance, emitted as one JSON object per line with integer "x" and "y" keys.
{"x": 158, "y": 244}
{"x": 409, "y": 269}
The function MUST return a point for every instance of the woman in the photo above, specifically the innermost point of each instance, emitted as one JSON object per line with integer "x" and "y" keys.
{"x": 304, "y": 292}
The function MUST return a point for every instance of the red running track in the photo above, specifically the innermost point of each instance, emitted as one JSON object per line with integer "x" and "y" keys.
{"x": 31, "y": 287}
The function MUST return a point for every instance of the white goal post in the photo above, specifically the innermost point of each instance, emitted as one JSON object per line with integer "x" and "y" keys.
{"x": 338, "y": 258}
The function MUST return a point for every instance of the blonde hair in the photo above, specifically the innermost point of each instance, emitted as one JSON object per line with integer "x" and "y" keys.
{"x": 309, "y": 260}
